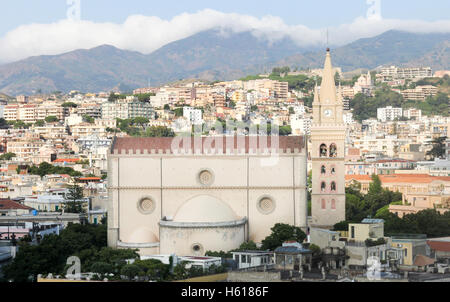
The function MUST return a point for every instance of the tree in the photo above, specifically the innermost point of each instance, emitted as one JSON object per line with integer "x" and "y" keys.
{"x": 166, "y": 107}
{"x": 159, "y": 131}
{"x": 51, "y": 119}
{"x": 375, "y": 186}
{"x": 178, "y": 112}
{"x": 314, "y": 249}
{"x": 51, "y": 254}
{"x": 69, "y": 105}
{"x": 248, "y": 245}
{"x": 7, "y": 156}
{"x": 281, "y": 233}
{"x": 3, "y": 123}
{"x": 141, "y": 121}
{"x": 154, "y": 269}
{"x": 39, "y": 123}
{"x": 341, "y": 226}
{"x": 74, "y": 200}
{"x": 180, "y": 272}
{"x": 102, "y": 268}
{"x": 438, "y": 150}
{"x": 130, "y": 271}
{"x": 88, "y": 119}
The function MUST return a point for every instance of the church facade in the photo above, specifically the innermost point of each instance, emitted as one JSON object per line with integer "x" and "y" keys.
{"x": 327, "y": 153}
{"x": 190, "y": 195}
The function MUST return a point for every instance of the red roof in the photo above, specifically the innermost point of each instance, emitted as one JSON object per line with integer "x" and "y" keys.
{"x": 206, "y": 143}
{"x": 7, "y": 204}
{"x": 437, "y": 245}
{"x": 400, "y": 178}
{"x": 89, "y": 178}
{"x": 66, "y": 160}
{"x": 422, "y": 260}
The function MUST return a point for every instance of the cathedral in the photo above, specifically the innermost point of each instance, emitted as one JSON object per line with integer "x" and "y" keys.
{"x": 188, "y": 195}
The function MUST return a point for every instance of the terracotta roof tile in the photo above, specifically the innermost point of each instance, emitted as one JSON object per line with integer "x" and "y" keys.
{"x": 7, "y": 204}
{"x": 400, "y": 178}
{"x": 442, "y": 246}
{"x": 165, "y": 143}
{"x": 422, "y": 260}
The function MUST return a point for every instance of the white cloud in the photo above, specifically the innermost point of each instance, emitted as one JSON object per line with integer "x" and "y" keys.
{"x": 146, "y": 34}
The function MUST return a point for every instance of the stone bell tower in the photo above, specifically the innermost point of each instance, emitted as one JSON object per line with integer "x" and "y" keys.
{"x": 328, "y": 152}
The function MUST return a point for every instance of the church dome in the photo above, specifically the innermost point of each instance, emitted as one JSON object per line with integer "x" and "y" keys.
{"x": 204, "y": 209}
{"x": 142, "y": 235}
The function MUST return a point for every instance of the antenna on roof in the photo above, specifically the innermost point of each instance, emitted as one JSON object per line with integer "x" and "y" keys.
{"x": 328, "y": 45}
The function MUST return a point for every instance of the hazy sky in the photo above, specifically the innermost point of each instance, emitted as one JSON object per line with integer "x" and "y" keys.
{"x": 37, "y": 27}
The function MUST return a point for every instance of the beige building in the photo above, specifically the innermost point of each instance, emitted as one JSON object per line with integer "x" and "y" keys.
{"x": 328, "y": 152}
{"x": 175, "y": 195}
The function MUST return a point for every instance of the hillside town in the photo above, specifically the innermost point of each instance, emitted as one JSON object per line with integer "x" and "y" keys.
{"x": 55, "y": 165}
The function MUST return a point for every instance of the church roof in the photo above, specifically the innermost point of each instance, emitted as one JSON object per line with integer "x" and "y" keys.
{"x": 207, "y": 144}
{"x": 328, "y": 86}
{"x": 205, "y": 209}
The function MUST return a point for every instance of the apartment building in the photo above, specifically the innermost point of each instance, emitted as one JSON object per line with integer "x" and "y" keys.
{"x": 276, "y": 89}
{"x": 300, "y": 125}
{"x": 389, "y": 113}
{"x": 127, "y": 109}
{"x": 93, "y": 110}
{"x": 413, "y": 114}
{"x": 420, "y": 93}
{"x": 388, "y": 145}
{"x": 25, "y": 148}
{"x": 193, "y": 115}
{"x": 51, "y": 109}
{"x": 395, "y": 73}
{"x": 87, "y": 129}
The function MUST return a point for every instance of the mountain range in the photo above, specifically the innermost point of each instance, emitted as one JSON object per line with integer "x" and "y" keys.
{"x": 211, "y": 55}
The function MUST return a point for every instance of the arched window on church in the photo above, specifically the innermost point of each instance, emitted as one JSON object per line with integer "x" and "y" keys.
{"x": 333, "y": 171}
{"x": 323, "y": 186}
{"x": 333, "y": 187}
{"x": 323, "y": 204}
{"x": 323, "y": 150}
{"x": 333, "y": 204}
{"x": 323, "y": 170}
{"x": 333, "y": 150}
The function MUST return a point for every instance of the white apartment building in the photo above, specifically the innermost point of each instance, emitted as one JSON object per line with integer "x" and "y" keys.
{"x": 126, "y": 109}
{"x": 300, "y": 125}
{"x": 395, "y": 73}
{"x": 388, "y": 145}
{"x": 73, "y": 119}
{"x": 193, "y": 115}
{"x": 348, "y": 118}
{"x": 87, "y": 129}
{"x": 413, "y": 114}
{"x": 389, "y": 113}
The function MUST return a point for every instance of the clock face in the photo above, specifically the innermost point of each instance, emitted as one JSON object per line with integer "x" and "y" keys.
{"x": 328, "y": 112}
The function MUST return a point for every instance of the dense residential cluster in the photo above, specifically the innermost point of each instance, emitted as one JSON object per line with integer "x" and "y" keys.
{"x": 54, "y": 168}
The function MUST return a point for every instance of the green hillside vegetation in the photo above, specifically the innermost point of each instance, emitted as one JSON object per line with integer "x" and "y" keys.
{"x": 437, "y": 105}
{"x": 365, "y": 107}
